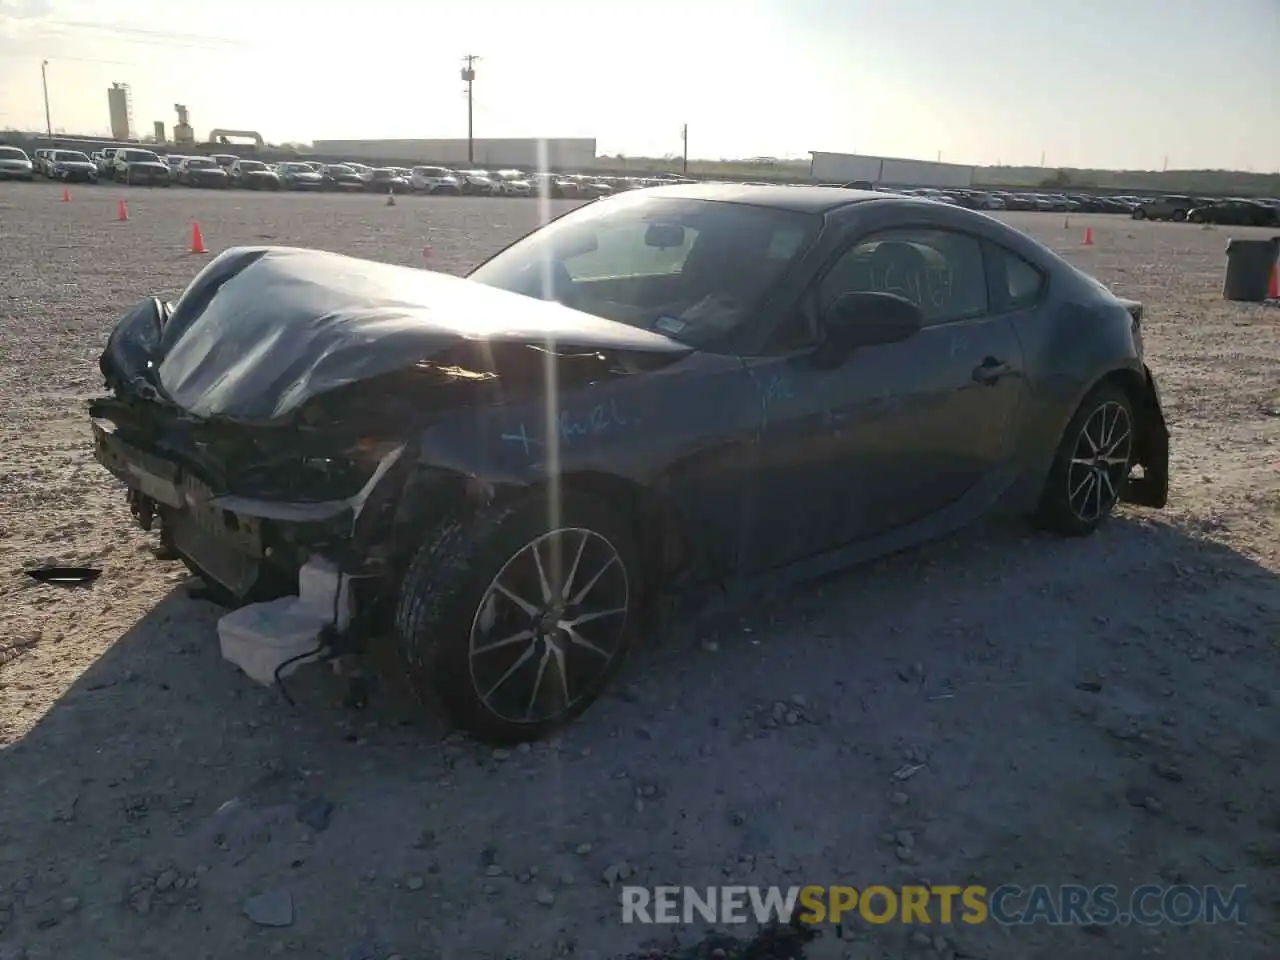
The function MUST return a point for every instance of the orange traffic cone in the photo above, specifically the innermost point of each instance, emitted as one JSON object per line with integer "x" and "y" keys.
{"x": 122, "y": 211}
{"x": 197, "y": 239}
{"x": 66, "y": 194}
{"x": 1088, "y": 237}
{"x": 1273, "y": 289}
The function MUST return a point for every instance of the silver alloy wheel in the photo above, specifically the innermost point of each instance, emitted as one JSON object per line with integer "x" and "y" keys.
{"x": 1100, "y": 462}
{"x": 549, "y": 625}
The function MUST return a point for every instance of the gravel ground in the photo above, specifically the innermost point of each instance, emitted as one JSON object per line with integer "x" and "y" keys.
{"x": 1096, "y": 711}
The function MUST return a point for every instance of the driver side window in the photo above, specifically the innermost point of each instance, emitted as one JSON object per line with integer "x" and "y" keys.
{"x": 940, "y": 271}
{"x": 623, "y": 252}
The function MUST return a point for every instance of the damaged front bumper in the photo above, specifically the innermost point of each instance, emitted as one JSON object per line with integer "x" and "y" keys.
{"x": 238, "y": 541}
{"x": 1151, "y": 488}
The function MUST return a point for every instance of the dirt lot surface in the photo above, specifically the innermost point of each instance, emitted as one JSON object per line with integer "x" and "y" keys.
{"x": 1001, "y": 707}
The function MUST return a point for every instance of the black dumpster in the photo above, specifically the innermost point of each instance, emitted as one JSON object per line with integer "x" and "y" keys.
{"x": 1249, "y": 266}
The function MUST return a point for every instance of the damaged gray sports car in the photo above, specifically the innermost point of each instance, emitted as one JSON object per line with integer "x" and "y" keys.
{"x": 676, "y": 390}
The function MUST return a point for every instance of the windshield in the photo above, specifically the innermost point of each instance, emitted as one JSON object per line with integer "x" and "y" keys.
{"x": 252, "y": 165}
{"x": 299, "y": 168}
{"x": 340, "y": 170}
{"x": 12, "y": 153}
{"x": 690, "y": 269}
{"x": 383, "y": 174}
{"x": 69, "y": 156}
{"x": 200, "y": 164}
{"x": 139, "y": 156}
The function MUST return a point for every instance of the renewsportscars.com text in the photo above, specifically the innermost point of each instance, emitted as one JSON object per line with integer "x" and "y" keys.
{"x": 1009, "y": 905}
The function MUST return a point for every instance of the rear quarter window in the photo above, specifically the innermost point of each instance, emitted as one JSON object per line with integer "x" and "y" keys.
{"x": 1019, "y": 284}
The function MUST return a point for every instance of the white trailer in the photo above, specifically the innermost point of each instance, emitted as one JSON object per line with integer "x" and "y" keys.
{"x": 889, "y": 171}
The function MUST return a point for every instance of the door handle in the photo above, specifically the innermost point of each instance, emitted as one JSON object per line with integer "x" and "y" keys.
{"x": 990, "y": 370}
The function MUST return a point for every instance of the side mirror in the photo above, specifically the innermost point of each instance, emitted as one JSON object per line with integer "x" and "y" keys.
{"x": 870, "y": 319}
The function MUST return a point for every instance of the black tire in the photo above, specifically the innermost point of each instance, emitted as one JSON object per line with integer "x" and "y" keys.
{"x": 1179, "y": 216}
{"x": 1139, "y": 214}
{"x": 1067, "y": 504}
{"x": 450, "y": 589}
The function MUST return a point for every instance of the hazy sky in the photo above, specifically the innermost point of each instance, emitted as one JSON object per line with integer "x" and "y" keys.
{"x": 1102, "y": 83}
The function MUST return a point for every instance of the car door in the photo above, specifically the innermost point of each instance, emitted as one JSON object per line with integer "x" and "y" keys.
{"x": 896, "y": 432}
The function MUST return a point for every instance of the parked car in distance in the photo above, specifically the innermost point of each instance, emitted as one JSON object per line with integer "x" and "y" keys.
{"x": 253, "y": 175}
{"x": 475, "y": 183}
{"x": 106, "y": 162}
{"x": 387, "y": 180}
{"x": 556, "y": 186}
{"x": 339, "y": 176}
{"x": 511, "y": 183}
{"x": 72, "y": 166}
{"x": 592, "y": 187}
{"x": 224, "y": 160}
{"x": 1237, "y": 212}
{"x": 296, "y": 175}
{"x": 174, "y": 162}
{"x": 15, "y": 164}
{"x": 133, "y": 166}
{"x": 202, "y": 172}
{"x": 818, "y": 323}
{"x": 1173, "y": 207}
{"x": 434, "y": 180}
{"x": 363, "y": 170}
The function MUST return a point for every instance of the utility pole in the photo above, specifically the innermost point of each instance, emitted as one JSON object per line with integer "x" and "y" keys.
{"x": 684, "y": 138}
{"x": 44, "y": 82}
{"x": 469, "y": 77}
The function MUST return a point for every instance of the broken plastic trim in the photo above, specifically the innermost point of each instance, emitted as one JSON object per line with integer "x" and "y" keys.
{"x": 294, "y": 512}
{"x": 65, "y": 576}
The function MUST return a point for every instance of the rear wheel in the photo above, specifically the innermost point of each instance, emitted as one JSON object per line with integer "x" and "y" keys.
{"x": 1139, "y": 214}
{"x": 1091, "y": 465}
{"x": 1179, "y": 216}
{"x": 513, "y": 622}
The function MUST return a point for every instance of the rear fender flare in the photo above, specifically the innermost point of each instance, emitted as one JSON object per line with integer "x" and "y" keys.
{"x": 1151, "y": 450}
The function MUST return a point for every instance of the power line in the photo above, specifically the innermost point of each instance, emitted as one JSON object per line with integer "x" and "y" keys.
{"x": 51, "y": 30}
{"x": 59, "y": 59}
{"x": 142, "y": 32}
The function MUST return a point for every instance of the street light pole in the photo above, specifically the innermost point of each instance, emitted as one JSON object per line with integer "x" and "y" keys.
{"x": 44, "y": 82}
{"x": 469, "y": 77}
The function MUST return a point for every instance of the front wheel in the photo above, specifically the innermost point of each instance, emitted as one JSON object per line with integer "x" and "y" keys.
{"x": 1139, "y": 214}
{"x": 1091, "y": 465}
{"x": 1179, "y": 216}
{"x": 514, "y": 622}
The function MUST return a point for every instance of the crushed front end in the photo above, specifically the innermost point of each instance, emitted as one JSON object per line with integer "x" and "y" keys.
{"x": 246, "y": 508}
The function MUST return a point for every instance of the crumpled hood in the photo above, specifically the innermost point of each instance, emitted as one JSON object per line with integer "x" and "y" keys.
{"x": 262, "y": 330}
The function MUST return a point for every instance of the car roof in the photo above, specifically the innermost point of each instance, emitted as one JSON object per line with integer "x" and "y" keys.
{"x": 801, "y": 199}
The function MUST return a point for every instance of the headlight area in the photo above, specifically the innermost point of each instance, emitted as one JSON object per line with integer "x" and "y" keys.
{"x": 311, "y": 478}
{"x": 344, "y": 528}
